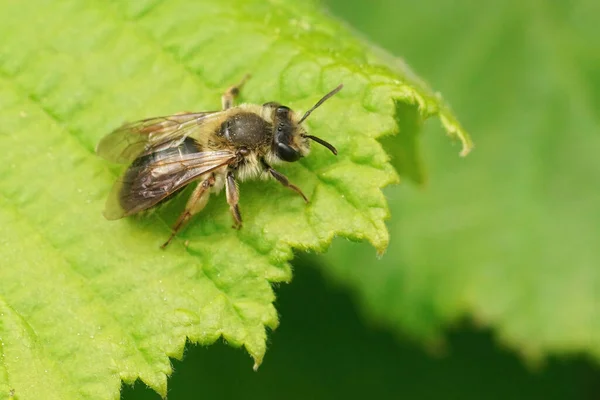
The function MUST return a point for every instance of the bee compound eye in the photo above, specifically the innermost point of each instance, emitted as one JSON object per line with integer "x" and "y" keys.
{"x": 287, "y": 153}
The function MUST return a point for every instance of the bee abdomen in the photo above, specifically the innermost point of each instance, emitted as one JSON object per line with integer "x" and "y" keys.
{"x": 136, "y": 185}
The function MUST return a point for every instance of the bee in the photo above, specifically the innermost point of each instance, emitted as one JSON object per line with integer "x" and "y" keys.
{"x": 213, "y": 149}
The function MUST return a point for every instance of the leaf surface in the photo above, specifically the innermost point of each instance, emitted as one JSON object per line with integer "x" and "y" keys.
{"x": 86, "y": 303}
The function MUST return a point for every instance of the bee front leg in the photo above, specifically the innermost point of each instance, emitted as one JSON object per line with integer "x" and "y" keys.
{"x": 231, "y": 93}
{"x": 281, "y": 178}
{"x": 233, "y": 198}
{"x": 195, "y": 204}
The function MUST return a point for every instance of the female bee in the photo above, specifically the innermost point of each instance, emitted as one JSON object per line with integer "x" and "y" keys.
{"x": 213, "y": 148}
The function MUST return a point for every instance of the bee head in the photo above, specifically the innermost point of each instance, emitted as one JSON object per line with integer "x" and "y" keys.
{"x": 290, "y": 140}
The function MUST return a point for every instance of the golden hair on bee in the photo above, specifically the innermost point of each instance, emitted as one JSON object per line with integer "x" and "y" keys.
{"x": 213, "y": 149}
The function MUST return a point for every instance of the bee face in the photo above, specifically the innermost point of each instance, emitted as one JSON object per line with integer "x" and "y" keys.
{"x": 289, "y": 137}
{"x": 290, "y": 140}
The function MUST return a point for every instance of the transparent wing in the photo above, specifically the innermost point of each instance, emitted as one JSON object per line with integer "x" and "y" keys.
{"x": 145, "y": 184}
{"x": 131, "y": 140}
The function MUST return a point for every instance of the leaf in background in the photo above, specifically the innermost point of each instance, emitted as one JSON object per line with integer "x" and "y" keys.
{"x": 512, "y": 239}
{"x": 86, "y": 303}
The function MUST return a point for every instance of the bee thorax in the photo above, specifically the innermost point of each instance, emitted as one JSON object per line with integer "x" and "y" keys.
{"x": 245, "y": 129}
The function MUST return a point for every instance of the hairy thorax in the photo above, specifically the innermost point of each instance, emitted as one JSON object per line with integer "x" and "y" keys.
{"x": 246, "y": 127}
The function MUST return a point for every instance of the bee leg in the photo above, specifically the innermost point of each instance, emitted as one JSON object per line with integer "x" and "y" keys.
{"x": 233, "y": 197}
{"x": 195, "y": 204}
{"x": 281, "y": 178}
{"x": 231, "y": 93}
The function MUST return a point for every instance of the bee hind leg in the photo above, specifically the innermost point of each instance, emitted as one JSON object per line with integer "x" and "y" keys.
{"x": 233, "y": 198}
{"x": 195, "y": 204}
{"x": 231, "y": 93}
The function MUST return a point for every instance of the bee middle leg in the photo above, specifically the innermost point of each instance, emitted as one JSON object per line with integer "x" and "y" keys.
{"x": 195, "y": 204}
{"x": 233, "y": 198}
{"x": 281, "y": 178}
{"x": 231, "y": 93}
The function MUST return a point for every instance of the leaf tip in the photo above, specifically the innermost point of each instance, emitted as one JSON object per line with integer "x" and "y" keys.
{"x": 381, "y": 252}
{"x": 466, "y": 149}
{"x": 258, "y": 359}
{"x": 382, "y": 245}
{"x": 455, "y": 130}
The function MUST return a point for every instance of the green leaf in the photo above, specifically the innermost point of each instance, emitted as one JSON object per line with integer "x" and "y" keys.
{"x": 511, "y": 240}
{"x": 86, "y": 303}
{"x": 319, "y": 325}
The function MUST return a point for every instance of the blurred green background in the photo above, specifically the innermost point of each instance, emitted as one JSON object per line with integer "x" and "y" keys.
{"x": 493, "y": 262}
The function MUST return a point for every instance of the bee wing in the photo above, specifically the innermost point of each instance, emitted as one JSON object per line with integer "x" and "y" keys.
{"x": 143, "y": 186}
{"x": 131, "y": 140}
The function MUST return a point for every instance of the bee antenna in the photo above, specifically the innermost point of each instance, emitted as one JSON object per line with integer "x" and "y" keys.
{"x": 327, "y": 96}
{"x": 322, "y": 142}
